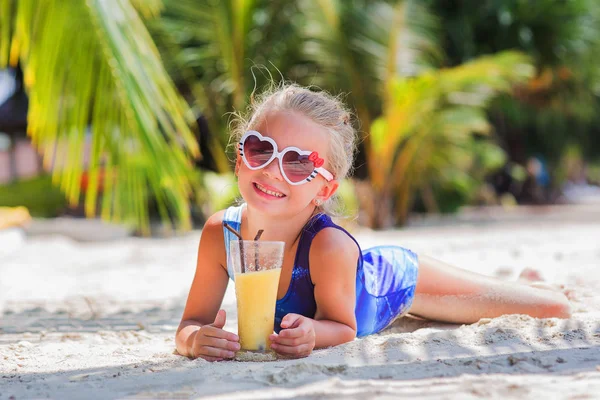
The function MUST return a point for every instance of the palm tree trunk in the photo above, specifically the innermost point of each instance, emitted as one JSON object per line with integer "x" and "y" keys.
{"x": 383, "y": 217}
{"x": 12, "y": 158}
{"x": 429, "y": 199}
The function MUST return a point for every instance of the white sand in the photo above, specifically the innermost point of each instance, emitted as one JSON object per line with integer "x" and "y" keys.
{"x": 96, "y": 321}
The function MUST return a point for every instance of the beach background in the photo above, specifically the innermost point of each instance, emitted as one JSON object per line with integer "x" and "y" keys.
{"x": 96, "y": 319}
{"x": 477, "y": 127}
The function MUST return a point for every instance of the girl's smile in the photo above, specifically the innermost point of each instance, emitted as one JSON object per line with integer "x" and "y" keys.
{"x": 268, "y": 192}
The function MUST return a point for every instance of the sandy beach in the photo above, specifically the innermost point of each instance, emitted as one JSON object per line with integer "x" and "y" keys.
{"x": 96, "y": 320}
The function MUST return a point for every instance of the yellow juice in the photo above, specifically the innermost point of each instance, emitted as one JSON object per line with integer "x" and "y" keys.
{"x": 256, "y": 296}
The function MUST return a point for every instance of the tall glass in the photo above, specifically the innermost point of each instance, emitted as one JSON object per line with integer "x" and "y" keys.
{"x": 257, "y": 266}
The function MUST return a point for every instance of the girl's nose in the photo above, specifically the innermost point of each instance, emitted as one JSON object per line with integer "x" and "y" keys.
{"x": 272, "y": 170}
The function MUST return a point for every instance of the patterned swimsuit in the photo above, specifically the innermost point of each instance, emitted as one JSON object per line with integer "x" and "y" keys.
{"x": 386, "y": 277}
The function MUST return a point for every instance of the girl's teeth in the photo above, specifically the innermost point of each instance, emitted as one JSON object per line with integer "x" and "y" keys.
{"x": 262, "y": 189}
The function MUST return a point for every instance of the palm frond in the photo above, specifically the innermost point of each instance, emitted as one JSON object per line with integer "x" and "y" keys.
{"x": 431, "y": 117}
{"x": 93, "y": 74}
{"x": 148, "y": 8}
{"x": 215, "y": 37}
{"x": 359, "y": 45}
{"x": 332, "y": 33}
{"x": 221, "y": 51}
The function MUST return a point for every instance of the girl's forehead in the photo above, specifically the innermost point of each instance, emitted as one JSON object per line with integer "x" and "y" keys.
{"x": 293, "y": 129}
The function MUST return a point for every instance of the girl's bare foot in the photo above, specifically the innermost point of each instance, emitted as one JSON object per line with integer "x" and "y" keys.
{"x": 532, "y": 277}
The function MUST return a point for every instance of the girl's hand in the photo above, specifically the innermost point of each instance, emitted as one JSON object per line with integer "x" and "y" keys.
{"x": 297, "y": 337}
{"x": 212, "y": 343}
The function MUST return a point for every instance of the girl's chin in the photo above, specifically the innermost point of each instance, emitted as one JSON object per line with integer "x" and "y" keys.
{"x": 280, "y": 212}
{"x": 266, "y": 207}
{"x": 279, "y": 207}
{"x": 271, "y": 205}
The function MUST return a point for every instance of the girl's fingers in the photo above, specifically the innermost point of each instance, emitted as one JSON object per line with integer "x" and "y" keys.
{"x": 214, "y": 352}
{"x": 302, "y": 350}
{"x": 218, "y": 343}
{"x": 214, "y": 344}
{"x": 193, "y": 356}
{"x": 291, "y": 320}
{"x": 288, "y": 342}
{"x": 293, "y": 333}
{"x": 211, "y": 331}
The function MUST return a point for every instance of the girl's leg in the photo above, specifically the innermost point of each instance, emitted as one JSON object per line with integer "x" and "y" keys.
{"x": 450, "y": 294}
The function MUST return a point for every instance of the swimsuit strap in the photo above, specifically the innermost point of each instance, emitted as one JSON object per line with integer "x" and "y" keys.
{"x": 309, "y": 231}
{"x": 233, "y": 217}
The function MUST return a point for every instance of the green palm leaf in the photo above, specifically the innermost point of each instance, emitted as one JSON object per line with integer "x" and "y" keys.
{"x": 360, "y": 46}
{"x": 211, "y": 48}
{"x": 430, "y": 120}
{"x": 93, "y": 74}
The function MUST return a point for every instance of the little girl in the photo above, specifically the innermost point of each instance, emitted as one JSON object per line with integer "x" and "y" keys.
{"x": 292, "y": 153}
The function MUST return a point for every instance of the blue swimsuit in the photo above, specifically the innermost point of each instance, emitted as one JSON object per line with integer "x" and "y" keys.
{"x": 386, "y": 278}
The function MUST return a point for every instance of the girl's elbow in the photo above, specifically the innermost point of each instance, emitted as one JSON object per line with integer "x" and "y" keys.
{"x": 559, "y": 308}
{"x": 349, "y": 335}
{"x": 181, "y": 344}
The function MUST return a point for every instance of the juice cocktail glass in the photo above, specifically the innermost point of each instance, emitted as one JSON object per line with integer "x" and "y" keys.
{"x": 257, "y": 266}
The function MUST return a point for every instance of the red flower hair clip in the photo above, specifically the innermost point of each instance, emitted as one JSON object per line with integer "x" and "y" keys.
{"x": 314, "y": 157}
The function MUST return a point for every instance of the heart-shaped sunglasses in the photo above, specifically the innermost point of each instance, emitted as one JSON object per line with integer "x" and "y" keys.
{"x": 296, "y": 166}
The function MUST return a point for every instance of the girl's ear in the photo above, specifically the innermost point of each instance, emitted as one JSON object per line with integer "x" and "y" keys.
{"x": 237, "y": 164}
{"x": 328, "y": 190}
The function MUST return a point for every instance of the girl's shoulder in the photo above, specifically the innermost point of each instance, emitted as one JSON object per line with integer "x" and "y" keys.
{"x": 328, "y": 235}
{"x": 212, "y": 240}
{"x": 212, "y": 234}
{"x": 214, "y": 223}
{"x": 333, "y": 239}
{"x": 335, "y": 248}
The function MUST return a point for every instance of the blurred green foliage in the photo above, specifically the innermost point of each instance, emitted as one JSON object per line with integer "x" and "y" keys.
{"x": 39, "y": 195}
{"x": 356, "y": 47}
{"x": 560, "y": 107}
{"x": 347, "y": 201}
{"x": 91, "y": 70}
{"x": 219, "y": 191}
{"x": 445, "y": 92}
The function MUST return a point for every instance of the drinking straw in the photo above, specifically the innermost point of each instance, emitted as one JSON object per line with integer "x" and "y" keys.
{"x": 230, "y": 229}
{"x": 258, "y": 235}
{"x": 241, "y": 242}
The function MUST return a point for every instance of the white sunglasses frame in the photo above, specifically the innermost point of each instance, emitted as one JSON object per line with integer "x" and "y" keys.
{"x": 279, "y": 155}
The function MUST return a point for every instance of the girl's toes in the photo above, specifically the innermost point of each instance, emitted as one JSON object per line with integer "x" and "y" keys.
{"x": 530, "y": 275}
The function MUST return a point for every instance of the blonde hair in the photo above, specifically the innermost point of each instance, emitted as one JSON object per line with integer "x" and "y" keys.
{"x": 320, "y": 107}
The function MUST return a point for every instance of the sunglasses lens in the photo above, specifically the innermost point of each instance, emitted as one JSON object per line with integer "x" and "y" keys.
{"x": 297, "y": 167}
{"x": 257, "y": 152}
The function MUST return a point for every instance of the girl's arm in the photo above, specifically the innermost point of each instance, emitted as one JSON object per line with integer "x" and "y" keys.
{"x": 333, "y": 258}
{"x": 204, "y": 299}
